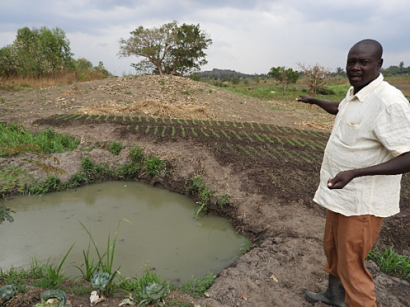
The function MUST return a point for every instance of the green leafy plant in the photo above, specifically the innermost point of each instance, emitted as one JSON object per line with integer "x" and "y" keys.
{"x": 196, "y": 186}
{"x": 154, "y": 293}
{"x": 389, "y": 261}
{"x": 5, "y": 214}
{"x": 154, "y": 166}
{"x": 115, "y": 147}
{"x": 245, "y": 246}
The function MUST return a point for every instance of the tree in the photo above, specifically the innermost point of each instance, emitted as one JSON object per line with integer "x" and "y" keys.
{"x": 169, "y": 49}
{"x": 285, "y": 76}
{"x": 36, "y": 52}
{"x": 315, "y": 77}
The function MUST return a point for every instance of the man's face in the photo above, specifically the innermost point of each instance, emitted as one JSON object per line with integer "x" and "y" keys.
{"x": 362, "y": 65}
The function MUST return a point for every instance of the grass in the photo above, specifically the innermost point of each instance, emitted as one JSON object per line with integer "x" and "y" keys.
{"x": 197, "y": 287}
{"x": 196, "y": 186}
{"x": 63, "y": 78}
{"x": 20, "y": 140}
{"x": 106, "y": 259}
{"x": 389, "y": 261}
{"x": 54, "y": 276}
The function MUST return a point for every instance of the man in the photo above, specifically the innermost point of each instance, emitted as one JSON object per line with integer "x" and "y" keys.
{"x": 370, "y": 139}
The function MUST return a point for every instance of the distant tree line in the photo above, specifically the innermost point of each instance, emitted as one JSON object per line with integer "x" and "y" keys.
{"x": 396, "y": 70}
{"x": 41, "y": 53}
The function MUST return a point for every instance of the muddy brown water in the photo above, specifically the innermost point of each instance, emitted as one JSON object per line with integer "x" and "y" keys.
{"x": 163, "y": 234}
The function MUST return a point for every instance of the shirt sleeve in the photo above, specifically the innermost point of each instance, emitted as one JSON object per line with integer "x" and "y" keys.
{"x": 392, "y": 128}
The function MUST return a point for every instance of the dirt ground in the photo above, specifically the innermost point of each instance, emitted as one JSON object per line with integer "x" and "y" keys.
{"x": 270, "y": 182}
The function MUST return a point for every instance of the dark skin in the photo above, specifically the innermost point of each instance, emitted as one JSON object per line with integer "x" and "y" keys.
{"x": 363, "y": 64}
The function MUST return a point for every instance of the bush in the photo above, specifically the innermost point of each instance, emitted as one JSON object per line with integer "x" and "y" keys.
{"x": 326, "y": 91}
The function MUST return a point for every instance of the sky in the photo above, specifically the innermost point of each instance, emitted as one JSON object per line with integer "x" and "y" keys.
{"x": 249, "y": 36}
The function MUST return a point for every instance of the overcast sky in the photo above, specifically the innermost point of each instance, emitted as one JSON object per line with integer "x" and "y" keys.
{"x": 249, "y": 36}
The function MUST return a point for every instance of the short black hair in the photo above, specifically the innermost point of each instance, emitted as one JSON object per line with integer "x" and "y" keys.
{"x": 377, "y": 46}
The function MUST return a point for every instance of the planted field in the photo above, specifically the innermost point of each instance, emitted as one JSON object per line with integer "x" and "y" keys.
{"x": 283, "y": 159}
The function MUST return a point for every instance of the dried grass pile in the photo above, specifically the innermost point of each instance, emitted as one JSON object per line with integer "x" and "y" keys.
{"x": 153, "y": 108}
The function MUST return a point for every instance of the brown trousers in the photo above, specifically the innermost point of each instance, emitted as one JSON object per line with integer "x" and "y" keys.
{"x": 347, "y": 241}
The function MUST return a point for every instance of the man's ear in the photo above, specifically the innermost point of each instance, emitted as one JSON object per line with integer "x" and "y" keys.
{"x": 380, "y": 64}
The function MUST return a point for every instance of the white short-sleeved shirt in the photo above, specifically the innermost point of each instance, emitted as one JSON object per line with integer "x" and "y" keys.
{"x": 370, "y": 128}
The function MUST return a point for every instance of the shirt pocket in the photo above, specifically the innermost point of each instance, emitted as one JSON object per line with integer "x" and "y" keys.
{"x": 349, "y": 132}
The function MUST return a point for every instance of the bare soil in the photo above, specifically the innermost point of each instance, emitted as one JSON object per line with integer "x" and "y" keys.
{"x": 265, "y": 155}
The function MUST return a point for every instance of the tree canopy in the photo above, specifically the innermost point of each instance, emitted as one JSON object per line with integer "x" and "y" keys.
{"x": 285, "y": 76}
{"x": 35, "y": 52}
{"x": 169, "y": 49}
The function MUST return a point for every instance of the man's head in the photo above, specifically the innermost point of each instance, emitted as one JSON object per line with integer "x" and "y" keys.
{"x": 363, "y": 63}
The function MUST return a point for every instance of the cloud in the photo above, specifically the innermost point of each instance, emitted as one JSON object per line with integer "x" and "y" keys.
{"x": 248, "y": 36}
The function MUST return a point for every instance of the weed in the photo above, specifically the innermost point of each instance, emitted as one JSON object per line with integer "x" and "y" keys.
{"x": 196, "y": 186}
{"x": 245, "y": 246}
{"x": 19, "y": 140}
{"x": 154, "y": 166}
{"x": 51, "y": 184}
{"x": 5, "y": 214}
{"x": 197, "y": 287}
{"x": 54, "y": 275}
{"x": 106, "y": 260}
{"x": 115, "y": 148}
{"x": 389, "y": 261}
{"x": 90, "y": 267}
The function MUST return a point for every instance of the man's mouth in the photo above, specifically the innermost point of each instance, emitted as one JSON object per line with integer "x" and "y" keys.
{"x": 355, "y": 77}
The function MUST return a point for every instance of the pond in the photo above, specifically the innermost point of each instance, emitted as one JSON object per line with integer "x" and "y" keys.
{"x": 163, "y": 234}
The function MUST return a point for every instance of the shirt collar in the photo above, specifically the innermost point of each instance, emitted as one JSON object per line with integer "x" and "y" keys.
{"x": 362, "y": 94}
